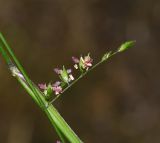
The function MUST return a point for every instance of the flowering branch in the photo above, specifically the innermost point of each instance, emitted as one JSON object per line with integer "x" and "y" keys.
{"x": 44, "y": 99}
{"x": 85, "y": 65}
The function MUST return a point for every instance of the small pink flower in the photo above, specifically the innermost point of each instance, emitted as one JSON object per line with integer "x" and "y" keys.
{"x": 57, "y": 70}
{"x": 83, "y": 62}
{"x": 87, "y": 61}
{"x": 65, "y": 74}
{"x": 75, "y": 60}
{"x": 42, "y": 86}
{"x": 58, "y": 142}
{"x": 57, "y": 88}
{"x": 57, "y": 83}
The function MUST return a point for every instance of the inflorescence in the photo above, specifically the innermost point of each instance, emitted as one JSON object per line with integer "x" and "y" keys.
{"x": 65, "y": 75}
{"x": 83, "y": 64}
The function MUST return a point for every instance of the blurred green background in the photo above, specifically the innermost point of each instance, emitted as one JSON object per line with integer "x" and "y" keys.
{"x": 117, "y": 103}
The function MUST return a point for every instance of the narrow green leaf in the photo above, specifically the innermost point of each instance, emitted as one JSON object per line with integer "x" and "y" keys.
{"x": 4, "y": 54}
{"x": 36, "y": 94}
{"x": 27, "y": 88}
{"x": 19, "y": 66}
{"x": 57, "y": 119}
{"x": 62, "y": 137}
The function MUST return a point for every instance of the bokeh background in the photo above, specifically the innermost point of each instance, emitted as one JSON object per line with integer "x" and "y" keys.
{"x": 117, "y": 103}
